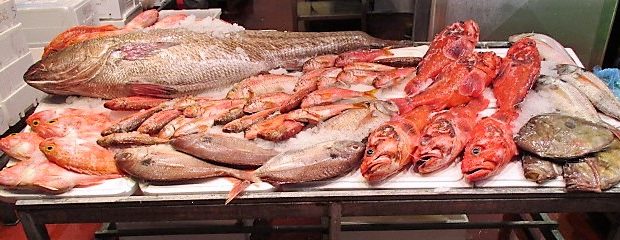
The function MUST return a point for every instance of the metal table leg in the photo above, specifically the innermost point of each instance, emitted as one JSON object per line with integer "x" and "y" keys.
{"x": 34, "y": 231}
{"x": 335, "y": 216}
{"x": 7, "y": 214}
{"x": 614, "y": 229}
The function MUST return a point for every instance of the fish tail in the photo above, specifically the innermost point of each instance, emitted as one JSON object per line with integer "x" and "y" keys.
{"x": 238, "y": 187}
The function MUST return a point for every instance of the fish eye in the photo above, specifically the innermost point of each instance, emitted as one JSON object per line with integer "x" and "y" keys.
{"x": 476, "y": 150}
{"x": 49, "y": 148}
{"x": 370, "y": 152}
{"x": 35, "y": 122}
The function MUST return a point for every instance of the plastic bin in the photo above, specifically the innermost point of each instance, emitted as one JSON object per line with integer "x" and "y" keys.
{"x": 113, "y": 9}
{"x": 126, "y": 18}
{"x": 7, "y": 14}
{"x": 12, "y": 44}
{"x": 44, "y": 19}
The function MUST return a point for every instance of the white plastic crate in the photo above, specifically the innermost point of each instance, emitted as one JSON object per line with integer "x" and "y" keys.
{"x": 20, "y": 101}
{"x": 7, "y": 14}
{"x": 44, "y": 19}
{"x": 200, "y": 13}
{"x": 113, "y": 9}
{"x": 126, "y": 18}
{"x": 12, "y": 44}
{"x": 12, "y": 75}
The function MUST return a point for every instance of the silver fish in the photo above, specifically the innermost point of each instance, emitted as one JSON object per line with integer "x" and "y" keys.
{"x": 223, "y": 149}
{"x": 566, "y": 99}
{"x": 592, "y": 87}
{"x": 132, "y": 64}
{"x": 319, "y": 162}
{"x": 548, "y": 48}
{"x": 162, "y": 164}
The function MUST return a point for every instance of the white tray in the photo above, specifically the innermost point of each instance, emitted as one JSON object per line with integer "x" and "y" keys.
{"x": 113, "y": 187}
{"x": 215, "y": 185}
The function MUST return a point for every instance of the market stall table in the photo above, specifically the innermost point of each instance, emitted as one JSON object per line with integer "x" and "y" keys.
{"x": 329, "y": 204}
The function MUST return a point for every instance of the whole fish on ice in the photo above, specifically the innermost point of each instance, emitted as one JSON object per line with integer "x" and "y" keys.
{"x": 132, "y": 64}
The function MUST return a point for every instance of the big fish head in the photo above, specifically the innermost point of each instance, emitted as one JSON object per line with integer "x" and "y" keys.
{"x": 387, "y": 152}
{"x": 60, "y": 72}
{"x": 524, "y": 52}
{"x": 437, "y": 145}
{"x": 466, "y": 35}
{"x": 20, "y": 145}
{"x": 56, "y": 149}
{"x": 489, "y": 150}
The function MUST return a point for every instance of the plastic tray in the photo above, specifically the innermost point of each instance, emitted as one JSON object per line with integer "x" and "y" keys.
{"x": 13, "y": 45}
{"x": 7, "y": 14}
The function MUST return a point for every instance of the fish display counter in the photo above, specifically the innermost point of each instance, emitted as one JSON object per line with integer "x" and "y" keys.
{"x": 249, "y": 124}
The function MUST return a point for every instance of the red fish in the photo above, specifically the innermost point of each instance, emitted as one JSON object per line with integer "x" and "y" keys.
{"x": 391, "y": 146}
{"x": 492, "y": 146}
{"x": 21, "y": 146}
{"x": 46, "y": 176}
{"x": 267, "y": 101}
{"x": 356, "y": 76}
{"x": 275, "y": 129}
{"x": 46, "y": 115}
{"x": 327, "y": 96}
{"x": 361, "y": 56}
{"x": 489, "y": 150}
{"x": 460, "y": 82}
{"x": 368, "y": 67}
{"x": 156, "y": 122}
{"x": 72, "y": 124}
{"x": 444, "y": 138}
{"x": 79, "y": 155}
{"x": 133, "y": 103}
{"x": 455, "y": 41}
{"x": 520, "y": 69}
{"x": 393, "y": 77}
{"x": 318, "y": 62}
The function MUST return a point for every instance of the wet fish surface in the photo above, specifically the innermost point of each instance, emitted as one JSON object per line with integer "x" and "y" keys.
{"x": 595, "y": 174}
{"x": 223, "y": 149}
{"x": 566, "y": 99}
{"x": 539, "y": 170}
{"x": 159, "y": 164}
{"x": 122, "y": 65}
{"x": 561, "y": 136}
{"x": 319, "y": 162}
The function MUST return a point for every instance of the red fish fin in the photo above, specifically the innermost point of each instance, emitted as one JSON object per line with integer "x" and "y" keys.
{"x": 505, "y": 116}
{"x": 478, "y": 104}
{"x": 238, "y": 187}
{"x": 152, "y": 90}
{"x": 404, "y": 104}
{"x": 471, "y": 86}
{"x": 371, "y": 93}
{"x": 138, "y": 51}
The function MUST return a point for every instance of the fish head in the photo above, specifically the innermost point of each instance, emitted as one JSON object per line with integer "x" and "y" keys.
{"x": 524, "y": 51}
{"x": 347, "y": 150}
{"x": 459, "y": 38}
{"x": 437, "y": 144}
{"x": 56, "y": 127}
{"x": 59, "y": 72}
{"x": 386, "y": 153}
{"x": 20, "y": 145}
{"x": 489, "y": 150}
{"x": 40, "y": 117}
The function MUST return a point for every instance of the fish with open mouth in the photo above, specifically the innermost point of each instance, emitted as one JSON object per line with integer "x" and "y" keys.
{"x": 119, "y": 65}
{"x": 445, "y": 136}
{"x": 391, "y": 146}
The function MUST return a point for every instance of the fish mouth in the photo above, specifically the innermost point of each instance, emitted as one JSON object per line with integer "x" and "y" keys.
{"x": 480, "y": 172}
{"x": 378, "y": 168}
{"x": 429, "y": 161}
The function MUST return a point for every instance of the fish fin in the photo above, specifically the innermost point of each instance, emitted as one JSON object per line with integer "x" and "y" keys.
{"x": 387, "y": 51}
{"x": 139, "y": 51}
{"x": 471, "y": 86}
{"x": 152, "y": 90}
{"x": 371, "y": 93}
{"x": 238, "y": 187}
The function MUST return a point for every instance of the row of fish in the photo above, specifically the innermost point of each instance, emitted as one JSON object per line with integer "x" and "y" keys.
{"x": 60, "y": 153}
{"x": 450, "y": 82}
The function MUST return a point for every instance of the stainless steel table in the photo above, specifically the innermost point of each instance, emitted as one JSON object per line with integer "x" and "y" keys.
{"x": 332, "y": 205}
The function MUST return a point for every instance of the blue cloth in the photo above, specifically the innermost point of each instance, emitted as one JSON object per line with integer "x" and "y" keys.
{"x": 611, "y": 76}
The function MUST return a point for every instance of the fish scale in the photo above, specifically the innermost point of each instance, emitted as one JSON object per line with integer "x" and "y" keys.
{"x": 169, "y": 63}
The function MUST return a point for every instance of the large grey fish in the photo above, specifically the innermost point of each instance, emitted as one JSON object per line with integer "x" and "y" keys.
{"x": 592, "y": 87}
{"x": 163, "y": 164}
{"x": 175, "y": 62}
{"x": 319, "y": 162}
{"x": 566, "y": 99}
{"x": 561, "y": 136}
{"x": 223, "y": 149}
{"x": 539, "y": 170}
{"x": 595, "y": 174}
